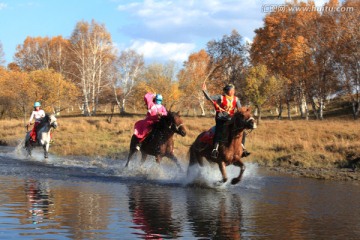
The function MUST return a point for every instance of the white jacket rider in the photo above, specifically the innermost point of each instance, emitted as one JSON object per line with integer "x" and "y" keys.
{"x": 38, "y": 113}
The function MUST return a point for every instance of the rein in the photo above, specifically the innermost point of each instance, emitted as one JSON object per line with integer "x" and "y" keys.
{"x": 242, "y": 128}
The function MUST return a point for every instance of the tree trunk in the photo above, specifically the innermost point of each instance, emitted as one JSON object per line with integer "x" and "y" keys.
{"x": 321, "y": 109}
{"x": 259, "y": 114}
{"x": 112, "y": 112}
{"x": 306, "y": 112}
{"x": 315, "y": 110}
{"x": 122, "y": 108}
{"x": 280, "y": 110}
{"x": 288, "y": 108}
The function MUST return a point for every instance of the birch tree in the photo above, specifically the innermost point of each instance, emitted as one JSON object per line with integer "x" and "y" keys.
{"x": 91, "y": 52}
{"x": 33, "y": 54}
{"x": 128, "y": 65}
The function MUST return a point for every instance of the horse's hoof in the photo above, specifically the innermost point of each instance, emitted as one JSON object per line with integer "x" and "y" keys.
{"x": 235, "y": 181}
{"x": 221, "y": 182}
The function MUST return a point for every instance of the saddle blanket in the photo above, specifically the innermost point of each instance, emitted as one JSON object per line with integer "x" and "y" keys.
{"x": 208, "y": 136}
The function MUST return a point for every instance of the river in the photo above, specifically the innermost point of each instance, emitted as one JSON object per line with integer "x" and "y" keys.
{"x": 82, "y": 198}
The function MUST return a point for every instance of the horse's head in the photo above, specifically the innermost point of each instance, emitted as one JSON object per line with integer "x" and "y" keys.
{"x": 243, "y": 119}
{"x": 51, "y": 120}
{"x": 176, "y": 123}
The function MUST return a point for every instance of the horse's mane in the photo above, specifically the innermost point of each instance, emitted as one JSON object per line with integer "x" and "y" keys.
{"x": 233, "y": 129}
{"x": 44, "y": 120}
{"x": 164, "y": 120}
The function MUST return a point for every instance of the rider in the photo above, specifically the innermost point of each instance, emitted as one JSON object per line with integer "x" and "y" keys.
{"x": 38, "y": 114}
{"x": 155, "y": 108}
{"x": 225, "y": 106}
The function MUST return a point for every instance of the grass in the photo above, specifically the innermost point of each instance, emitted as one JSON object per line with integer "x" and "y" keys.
{"x": 299, "y": 143}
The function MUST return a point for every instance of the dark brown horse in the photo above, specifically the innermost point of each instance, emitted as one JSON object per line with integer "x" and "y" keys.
{"x": 160, "y": 142}
{"x": 229, "y": 152}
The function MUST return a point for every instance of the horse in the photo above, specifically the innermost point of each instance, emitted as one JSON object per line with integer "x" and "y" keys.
{"x": 160, "y": 142}
{"x": 231, "y": 151}
{"x": 43, "y": 135}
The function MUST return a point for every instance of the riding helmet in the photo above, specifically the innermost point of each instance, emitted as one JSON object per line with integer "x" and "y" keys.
{"x": 37, "y": 104}
{"x": 158, "y": 99}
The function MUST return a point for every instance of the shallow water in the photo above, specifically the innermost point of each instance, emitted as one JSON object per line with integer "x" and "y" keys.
{"x": 79, "y": 198}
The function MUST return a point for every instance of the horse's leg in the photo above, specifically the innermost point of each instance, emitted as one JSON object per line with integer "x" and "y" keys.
{"x": 132, "y": 149}
{"x": 176, "y": 161}
{"x": 158, "y": 159}
{"x": 222, "y": 167}
{"x": 131, "y": 153}
{"x": 240, "y": 164}
{"x": 46, "y": 150}
{"x": 28, "y": 148}
{"x": 143, "y": 157}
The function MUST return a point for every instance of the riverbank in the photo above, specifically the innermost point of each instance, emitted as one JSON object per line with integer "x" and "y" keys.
{"x": 326, "y": 149}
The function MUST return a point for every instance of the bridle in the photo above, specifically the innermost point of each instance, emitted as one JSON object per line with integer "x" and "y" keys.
{"x": 243, "y": 126}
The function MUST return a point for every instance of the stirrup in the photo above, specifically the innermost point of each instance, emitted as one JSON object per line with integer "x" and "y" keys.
{"x": 215, "y": 153}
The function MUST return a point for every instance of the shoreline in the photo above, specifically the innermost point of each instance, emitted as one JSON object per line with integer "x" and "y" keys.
{"x": 335, "y": 174}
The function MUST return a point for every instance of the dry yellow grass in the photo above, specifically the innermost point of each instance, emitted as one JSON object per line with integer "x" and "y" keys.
{"x": 328, "y": 143}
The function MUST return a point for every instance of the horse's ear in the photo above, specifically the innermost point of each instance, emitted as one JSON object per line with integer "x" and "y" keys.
{"x": 178, "y": 113}
{"x": 248, "y": 109}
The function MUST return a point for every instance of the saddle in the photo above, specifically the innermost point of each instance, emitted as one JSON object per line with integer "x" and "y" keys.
{"x": 208, "y": 136}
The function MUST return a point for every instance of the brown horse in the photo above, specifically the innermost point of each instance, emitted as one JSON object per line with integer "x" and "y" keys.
{"x": 160, "y": 142}
{"x": 229, "y": 152}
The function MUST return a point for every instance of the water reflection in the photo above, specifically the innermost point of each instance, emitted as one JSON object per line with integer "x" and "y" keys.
{"x": 39, "y": 200}
{"x": 152, "y": 211}
{"x": 215, "y": 215}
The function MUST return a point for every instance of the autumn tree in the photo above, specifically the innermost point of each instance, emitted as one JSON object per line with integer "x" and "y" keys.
{"x": 92, "y": 53}
{"x": 348, "y": 55}
{"x": 301, "y": 46}
{"x": 17, "y": 91}
{"x": 280, "y": 46}
{"x": 229, "y": 56}
{"x": 128, "y": 67}
{"x": 157, "y": 78}
{"x": 33, "y": 54}
{"x": 191, "y": 78}
{"x": 261, "y": 86}
{"x": 51, "y": 94}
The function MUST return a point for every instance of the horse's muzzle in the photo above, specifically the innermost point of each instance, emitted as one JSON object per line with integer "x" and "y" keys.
{"x": 54, "y": 125}
{"x": 182, "y": 133}
{"x": 251, "y": 124}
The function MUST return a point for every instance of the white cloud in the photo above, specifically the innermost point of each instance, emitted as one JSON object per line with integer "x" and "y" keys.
{"x": 175, "y": 28}
{"x": 2, "y": 5}
{"x": 163, "y": 51}
{"x": 184, "y": 21}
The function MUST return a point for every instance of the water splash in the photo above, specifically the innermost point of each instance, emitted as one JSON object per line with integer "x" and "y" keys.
{"x": 166, "y": 173}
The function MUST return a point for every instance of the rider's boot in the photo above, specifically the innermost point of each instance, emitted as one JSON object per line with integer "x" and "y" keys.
{"x": 215, "y": 151}
{"x": 138, "y": 146}
{"x": 245, "y": 152}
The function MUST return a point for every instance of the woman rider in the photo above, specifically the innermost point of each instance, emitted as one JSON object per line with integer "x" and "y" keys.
{"x": 155, "y": 111}
{"x": 37, "y": 114}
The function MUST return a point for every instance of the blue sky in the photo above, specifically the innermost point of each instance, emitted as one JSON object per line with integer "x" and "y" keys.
{"x": 160, "y": 29}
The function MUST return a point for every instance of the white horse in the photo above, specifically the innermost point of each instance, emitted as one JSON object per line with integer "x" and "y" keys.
{"x": 42, "y": 134}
